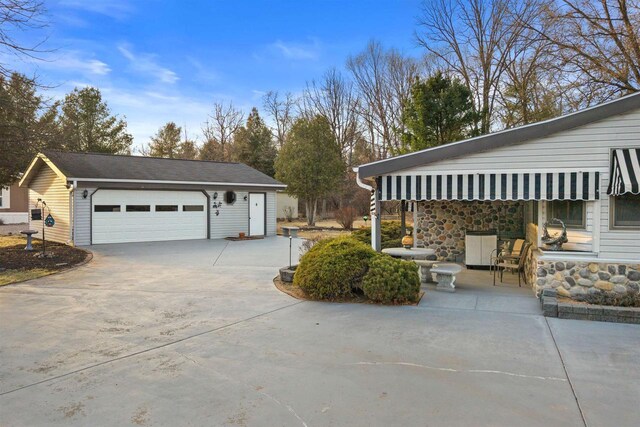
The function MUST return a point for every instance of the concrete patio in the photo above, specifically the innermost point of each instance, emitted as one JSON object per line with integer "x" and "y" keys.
{"x": 195, "y": 333}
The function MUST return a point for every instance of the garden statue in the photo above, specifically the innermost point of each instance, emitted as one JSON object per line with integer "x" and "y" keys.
{"x": 554, "y": 242}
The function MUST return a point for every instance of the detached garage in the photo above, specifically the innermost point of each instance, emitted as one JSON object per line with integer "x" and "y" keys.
{"x": 102, "y": 198}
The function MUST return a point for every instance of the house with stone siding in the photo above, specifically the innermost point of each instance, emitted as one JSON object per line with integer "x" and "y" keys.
{"x": 582, "y": 168}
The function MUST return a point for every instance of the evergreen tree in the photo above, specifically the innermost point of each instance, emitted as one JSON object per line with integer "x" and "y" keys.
{"x": 27, "y": 126}
{"x": 86, "y": 124}
{"x": 253, "y": 144}
{"x": 211, "y": 150}
{"x": 188, "y": 150}
{"x": 440, "y": 110}
{"x": 165, "y": 143}
{"x": 310, "y": 162}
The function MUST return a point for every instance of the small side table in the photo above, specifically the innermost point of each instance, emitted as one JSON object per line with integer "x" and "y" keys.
{"x": 29, "y": 233}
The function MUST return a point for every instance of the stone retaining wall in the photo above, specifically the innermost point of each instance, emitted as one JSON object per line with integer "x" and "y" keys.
{"x": 574, "y": 279}
{"x": 551, "y": 307}
{"x": 441, "y": 225}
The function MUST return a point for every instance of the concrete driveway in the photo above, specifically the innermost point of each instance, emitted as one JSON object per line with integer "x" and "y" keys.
{"x": 194, "y": 333}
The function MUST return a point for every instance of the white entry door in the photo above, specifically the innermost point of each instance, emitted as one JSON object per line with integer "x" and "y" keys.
{"x": 256, "y": 214}
{"x": 119, "y": 216}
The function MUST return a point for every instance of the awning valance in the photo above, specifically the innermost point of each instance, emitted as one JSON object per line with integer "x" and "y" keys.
{"x": 566, "y": 185}
{"x": 625, "y": 172}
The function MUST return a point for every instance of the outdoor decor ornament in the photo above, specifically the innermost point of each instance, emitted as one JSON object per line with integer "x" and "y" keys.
{"x": 554, "y": 242}
{"x": 407, "y": 241}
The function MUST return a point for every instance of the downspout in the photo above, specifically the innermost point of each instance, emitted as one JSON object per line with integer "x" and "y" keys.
{"x": 376, "y": 241}
{"x": 72, "y": 212}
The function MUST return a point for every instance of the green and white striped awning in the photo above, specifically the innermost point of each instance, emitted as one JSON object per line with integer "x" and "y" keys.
{"x": 566, "y": 185}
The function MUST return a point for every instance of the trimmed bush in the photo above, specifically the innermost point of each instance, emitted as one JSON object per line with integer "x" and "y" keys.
{"x": 391, "y": 280}
{"x": 390, "y": 231}
{"x": 332, "y": 268}
{"x": 610, "y": 298}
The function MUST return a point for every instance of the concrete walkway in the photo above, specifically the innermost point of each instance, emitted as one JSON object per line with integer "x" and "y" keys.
{"x": 194, "y": 333}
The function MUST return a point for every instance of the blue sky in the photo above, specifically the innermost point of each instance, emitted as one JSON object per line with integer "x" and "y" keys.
{"x": 157, "y": 61}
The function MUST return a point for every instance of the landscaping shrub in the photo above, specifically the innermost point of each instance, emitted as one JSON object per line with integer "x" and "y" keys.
{"x": 391, "y": 234}
{"x": 628, "y": 300}
{"x": 288, "y": 213}
{"x": 391, "y": 280}
{"x": 333, "y": 267}
{"x": 309, "y": 242}
{"x": 345, "y": 217}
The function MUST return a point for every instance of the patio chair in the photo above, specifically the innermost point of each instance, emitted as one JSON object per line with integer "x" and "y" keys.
{"x": 512, "y": 262}
{"x": 516, "y": 250}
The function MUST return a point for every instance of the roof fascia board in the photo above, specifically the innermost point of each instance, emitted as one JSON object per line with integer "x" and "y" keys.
{"x": 26, "y": 178}
{"x": 502, "y": 138}
{"x": 147, "y": 181}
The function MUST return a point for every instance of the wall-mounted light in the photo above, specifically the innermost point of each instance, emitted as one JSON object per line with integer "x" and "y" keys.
{"x": 215, "y": 195}
{"x": 245, "y": 197}
{"x": 85, "y": 193}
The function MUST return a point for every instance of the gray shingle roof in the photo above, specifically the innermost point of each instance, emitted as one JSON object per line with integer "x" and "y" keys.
{"x": 98, "y": 166}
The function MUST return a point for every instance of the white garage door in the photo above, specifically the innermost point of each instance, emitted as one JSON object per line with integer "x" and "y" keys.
{"x": 120, "y": 216}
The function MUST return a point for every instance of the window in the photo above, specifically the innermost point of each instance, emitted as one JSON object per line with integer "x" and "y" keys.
{"x": 571, "y": 212}
{"x": 4, "y": 198}
{"x": 138, "y": 208}
{"x": 193, "y": 208}
{"x": 625, "y": 211}
{"x": 106, "y": 208}
{"x": 166, "y": 208}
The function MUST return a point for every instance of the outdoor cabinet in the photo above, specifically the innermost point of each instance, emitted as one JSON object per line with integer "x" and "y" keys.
{"x": 479, "y": 247}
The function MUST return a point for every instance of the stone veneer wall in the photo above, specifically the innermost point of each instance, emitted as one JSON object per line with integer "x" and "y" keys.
{"x": 573, "y": 279}
{"x": 441, "y": 225}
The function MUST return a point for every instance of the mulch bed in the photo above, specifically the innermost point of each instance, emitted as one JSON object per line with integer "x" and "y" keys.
{"x": 238, "y": 239}
{"x": 58, "y": 257}
{"x": 297, "y": 293}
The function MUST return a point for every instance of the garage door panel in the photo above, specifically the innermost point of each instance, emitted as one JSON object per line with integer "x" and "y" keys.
{"x": 145, "y": 226}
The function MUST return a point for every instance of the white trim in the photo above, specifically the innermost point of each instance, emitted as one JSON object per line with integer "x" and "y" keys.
{"x": 152, "y": 181}
{"x": 5, "y": 196}
{"x": 48, "y": 162}
{"x": 497, "y": 171}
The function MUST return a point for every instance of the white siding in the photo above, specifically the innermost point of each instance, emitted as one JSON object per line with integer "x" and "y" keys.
{"x": 271, "y": 213}
{"x": 617, "y": 244}
{"x": 232, "y": 219}
{"x": 82, "y": 216}
{"x": 586, "y": 148}
{"x": 49, "y": 187}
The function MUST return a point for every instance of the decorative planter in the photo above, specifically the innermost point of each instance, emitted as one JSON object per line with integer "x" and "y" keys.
{"x": 241, "y": 235}
{"x": 287, "y": 273}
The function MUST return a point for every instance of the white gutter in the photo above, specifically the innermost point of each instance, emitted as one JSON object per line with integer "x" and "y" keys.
{"x": 146, "y": 181}
{"x": 359, "y": 181}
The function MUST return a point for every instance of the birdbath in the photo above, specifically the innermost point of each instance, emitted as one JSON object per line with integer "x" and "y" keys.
{"x": 29, "y": 233}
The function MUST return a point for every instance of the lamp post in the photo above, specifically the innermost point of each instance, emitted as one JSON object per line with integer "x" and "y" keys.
{"x": 43, "y": 205}
{"x": 290, "y": 240}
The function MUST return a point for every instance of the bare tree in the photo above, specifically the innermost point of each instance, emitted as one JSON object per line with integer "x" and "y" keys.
{"x": 597, "y": 42}
{"x": 477, "y": 40}
{"x": 19, "y": 16}
{"x": 220, "y": 128}
{"x": 333, "y": 97}
{"x": 383, "y": 81}
{"x": 280, "y": 109}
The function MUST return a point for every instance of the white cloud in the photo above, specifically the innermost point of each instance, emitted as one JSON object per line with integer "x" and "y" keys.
{"x": 146, "y": 64}
{"x": 72, "y": 61}
{"x": 117, "y": 9}
{"x": 298, "y": 51}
